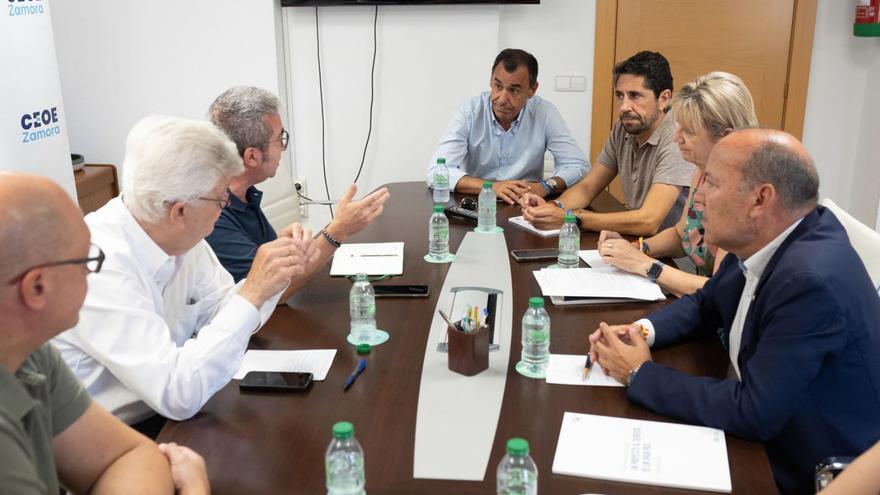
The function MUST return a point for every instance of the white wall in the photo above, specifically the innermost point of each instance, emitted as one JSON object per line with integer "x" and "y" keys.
{"x": 430, "y": 60}
{"x": 842, "y": 121}
{"x": 120, "y": 61}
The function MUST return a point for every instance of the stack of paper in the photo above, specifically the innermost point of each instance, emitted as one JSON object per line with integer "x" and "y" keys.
{"x": 317, "y": 362}
{"x": 601, "y": 283}
{"x": 525, "y": 225}
{"x": 376, "y": 258}
{"x": 646, "y": 452}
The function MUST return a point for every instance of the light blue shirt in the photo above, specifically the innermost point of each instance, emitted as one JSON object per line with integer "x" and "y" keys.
{"x": 475, "y": 144}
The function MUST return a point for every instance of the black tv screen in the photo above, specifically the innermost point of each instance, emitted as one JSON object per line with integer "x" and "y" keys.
{"x": 326, "y": 3}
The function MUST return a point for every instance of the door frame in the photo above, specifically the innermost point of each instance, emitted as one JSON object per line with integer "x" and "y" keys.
{"x": 797, "y": 78}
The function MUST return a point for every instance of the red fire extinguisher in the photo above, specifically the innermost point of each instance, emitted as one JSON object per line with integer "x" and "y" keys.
{"x": 867, "y": 18}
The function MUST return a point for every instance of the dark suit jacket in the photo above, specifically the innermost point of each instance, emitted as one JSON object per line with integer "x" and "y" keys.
{"x": 809, "y": 354}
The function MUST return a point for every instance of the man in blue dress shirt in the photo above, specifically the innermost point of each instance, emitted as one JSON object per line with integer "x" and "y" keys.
{"x": 501, "y": 136}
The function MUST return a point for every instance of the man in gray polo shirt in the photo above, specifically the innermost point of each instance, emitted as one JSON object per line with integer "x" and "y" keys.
{"x": 640, "y": 150}
{"x": 49, "y": 426}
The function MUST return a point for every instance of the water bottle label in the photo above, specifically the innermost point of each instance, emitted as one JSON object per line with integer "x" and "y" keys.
{"x": 441, "y": 181}
{"x": 440, "y": 233}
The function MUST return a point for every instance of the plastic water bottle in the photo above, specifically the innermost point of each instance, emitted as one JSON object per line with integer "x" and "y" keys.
{"x": 569, "y": 243}
{"x": 441, "y": 182}
{"x": 362, "y": 308}
{"x": 536, "y": 338}
{"x": 486, "y": 209}
{"x": 438, "y": 234}
{"x": 344, "y": 462}
{"x": 517, "y": 473}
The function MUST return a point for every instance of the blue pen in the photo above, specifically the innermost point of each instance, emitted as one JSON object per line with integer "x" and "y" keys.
{"x": 354, "y": 374}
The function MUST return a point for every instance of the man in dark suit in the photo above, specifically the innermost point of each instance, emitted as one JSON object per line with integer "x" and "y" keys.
{"x": 793, "y": 305}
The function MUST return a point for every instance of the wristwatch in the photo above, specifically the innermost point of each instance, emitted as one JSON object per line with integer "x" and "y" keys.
{"x": 577, "y": 220}
{"x": 551, "y": 185}
{"x": 654, "y": 271}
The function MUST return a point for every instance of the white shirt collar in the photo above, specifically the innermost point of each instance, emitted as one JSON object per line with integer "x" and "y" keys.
{"x": 755, "y": 264}
{"x": 160, "y": 265}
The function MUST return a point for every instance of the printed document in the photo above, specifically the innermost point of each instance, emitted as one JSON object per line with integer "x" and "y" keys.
{"x": 375, "y": 258}
{"x": 525, "y": 225}
{"x": 568, "y": 369}
{"x": 645, "y": 452}
{"x": 593, "y": 259}
{"x": 316, "y": 362}
{"x": 597, "y": 282}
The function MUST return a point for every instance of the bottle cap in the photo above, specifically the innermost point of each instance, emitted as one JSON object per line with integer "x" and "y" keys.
{"x": 487, "y": 183}
{"x": 438, "y": 208}
{"x": 441, "y": 160}
{"x": 536, "y": 302}
{"x": 364, "y": 348}
{"x": 517, "y": 446}
{"x": 569, "y": 218}
{"x": 344, "y": 429}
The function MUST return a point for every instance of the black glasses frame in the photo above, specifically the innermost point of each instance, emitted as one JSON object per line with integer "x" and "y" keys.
{"x": 284, "y": 138}
{"x": 223, "y": 202}
{"x": 99, "y": 260}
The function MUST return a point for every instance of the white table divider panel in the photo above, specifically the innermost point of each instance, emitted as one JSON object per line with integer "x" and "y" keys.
{"x": 458, "y": 415}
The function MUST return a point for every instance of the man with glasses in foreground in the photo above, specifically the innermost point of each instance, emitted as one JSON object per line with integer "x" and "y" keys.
{"x": 48, "y": 423}
{"x": 250, "y": 117}
{"x": 164, "y": 326}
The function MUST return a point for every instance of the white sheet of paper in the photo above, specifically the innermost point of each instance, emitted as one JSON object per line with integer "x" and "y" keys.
{"x": 374, "y": 258}
{"x": 523, "y": 224}
{"x": 314, "y": 361}
{"x": 568, "y": 369}
{"x": 597, "y": 282}
{"x": 593, "y": 258}
{"x": 647, "y": 452}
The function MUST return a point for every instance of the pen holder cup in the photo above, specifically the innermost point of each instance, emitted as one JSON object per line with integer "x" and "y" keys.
{"x": 468, "y": 351}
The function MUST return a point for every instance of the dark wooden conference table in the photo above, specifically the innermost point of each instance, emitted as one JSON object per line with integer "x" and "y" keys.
{"x": 275, "y": 443}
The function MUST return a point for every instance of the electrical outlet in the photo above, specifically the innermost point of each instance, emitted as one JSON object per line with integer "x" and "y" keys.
{"x": 302, "y": 190}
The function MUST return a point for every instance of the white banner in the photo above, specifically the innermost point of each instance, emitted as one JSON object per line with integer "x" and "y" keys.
{"x": 33, "y": 134}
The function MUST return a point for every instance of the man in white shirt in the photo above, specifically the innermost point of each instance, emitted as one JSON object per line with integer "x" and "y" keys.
{"x": 164, "y": 326}
{"x": 793, "y": 306}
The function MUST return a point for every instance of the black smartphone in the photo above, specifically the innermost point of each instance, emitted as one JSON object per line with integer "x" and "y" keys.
{"x": 401, "y": 290}
{"x": 276, "y": 381}
{"x": 534, "y": 254}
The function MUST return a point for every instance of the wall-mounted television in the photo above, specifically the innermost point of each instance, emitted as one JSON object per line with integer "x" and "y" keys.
{"x": 327, "y": 3}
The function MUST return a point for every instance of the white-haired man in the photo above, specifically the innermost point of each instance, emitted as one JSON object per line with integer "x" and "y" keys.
{"x": 250, "y": 117}
{"x": 164, "y": 326}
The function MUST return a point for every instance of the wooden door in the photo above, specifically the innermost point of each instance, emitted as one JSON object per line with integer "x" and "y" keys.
{"x": 761, "y": 41}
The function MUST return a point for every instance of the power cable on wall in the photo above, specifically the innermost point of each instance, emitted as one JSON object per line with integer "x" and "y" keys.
{"x": 321, "y": 94}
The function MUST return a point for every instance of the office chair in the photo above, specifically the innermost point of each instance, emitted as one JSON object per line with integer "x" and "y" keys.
{"x": 865, "y": 240}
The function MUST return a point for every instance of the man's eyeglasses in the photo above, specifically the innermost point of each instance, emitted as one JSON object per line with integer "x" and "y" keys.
{"x": 92, "y": 264}
{"x": 223, "y": 202}
{"x": 284, "y": 138}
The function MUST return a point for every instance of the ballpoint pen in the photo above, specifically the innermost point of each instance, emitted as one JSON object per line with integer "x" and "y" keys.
{"x": 354, "y": 374}
{"x": 587, "y": 365}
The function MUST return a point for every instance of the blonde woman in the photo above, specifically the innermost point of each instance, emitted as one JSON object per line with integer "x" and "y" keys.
{"x": 705, "y": 110}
